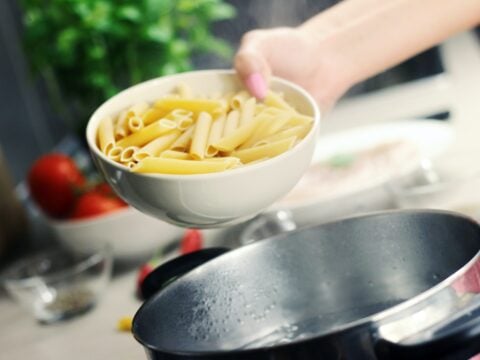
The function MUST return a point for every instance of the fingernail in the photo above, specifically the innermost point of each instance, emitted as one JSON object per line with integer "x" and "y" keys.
{"x": 257, "y": 86}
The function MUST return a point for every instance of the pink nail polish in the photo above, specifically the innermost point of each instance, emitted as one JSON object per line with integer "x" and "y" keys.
{"x": 257, "y": 86}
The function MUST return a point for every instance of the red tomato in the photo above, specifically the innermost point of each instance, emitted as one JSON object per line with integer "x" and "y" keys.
{"x": 105, "y": 189}
{"x": 94, "y": 203}
{"x": 144, "y": 270}
{"x": 192, "y": 241}
{"x": 53, "y": 181}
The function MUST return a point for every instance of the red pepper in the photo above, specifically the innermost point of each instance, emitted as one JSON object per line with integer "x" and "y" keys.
{"x": 192, "y": 241}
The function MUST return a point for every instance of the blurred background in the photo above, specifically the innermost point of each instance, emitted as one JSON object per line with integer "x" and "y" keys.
{"x": 60, "y": 59}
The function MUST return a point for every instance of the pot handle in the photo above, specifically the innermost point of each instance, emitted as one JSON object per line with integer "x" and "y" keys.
{"x": 173, "y": 269}
{"x": 457, "y": 339}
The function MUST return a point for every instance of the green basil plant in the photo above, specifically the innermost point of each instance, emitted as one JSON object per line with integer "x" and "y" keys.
{"x": 88, "y": 50}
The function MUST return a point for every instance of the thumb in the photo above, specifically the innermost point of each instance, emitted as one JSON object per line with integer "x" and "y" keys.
{"x": 253, "y": 70}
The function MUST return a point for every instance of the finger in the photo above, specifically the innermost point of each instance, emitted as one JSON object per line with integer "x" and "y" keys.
{"x": 253, "y": 70}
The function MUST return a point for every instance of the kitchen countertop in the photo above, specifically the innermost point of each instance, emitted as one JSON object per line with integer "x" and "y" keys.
{"x": 92, "y": 335}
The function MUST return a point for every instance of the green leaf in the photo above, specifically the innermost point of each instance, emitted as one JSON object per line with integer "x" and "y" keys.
{"x": 159, "y": 34}
{"x": 179, "y": 48}
{"x": 96, "y": 52}
{"x": 129, "y": 12}
{"x": 67, "y": 40}
{"x": 220, "y": 12}
{"x": 218, "y": 47}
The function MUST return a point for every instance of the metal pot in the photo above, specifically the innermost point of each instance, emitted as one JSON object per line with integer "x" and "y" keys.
{"x": 392, "y": 285}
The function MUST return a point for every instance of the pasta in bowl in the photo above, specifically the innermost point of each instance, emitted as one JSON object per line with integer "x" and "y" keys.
{"x": 194, "y": 149}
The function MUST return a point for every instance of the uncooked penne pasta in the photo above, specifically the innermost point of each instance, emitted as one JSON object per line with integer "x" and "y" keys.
{"x": 231, "y": 122}
{"x": 200, "y": 136}
{"x": 135, "y": 123}
{"x": 153, "y": 114}
{"x": 195, "y": 105}
{"x": 236, "y": 138}
{"x": 268, "y": 125}
{"x": 137, "y": 110}
{"x": 114, "y": 153}
{"x": 275, "y": 100}
{"x": 156, "y": 146}
{"x": 183, "y": 142}
{"x": 298, "y": 119}
{"x": 121, "y": 126}
{"x": 180, "y": 113}
{"x": 187, "y": 133}
{"x": 216, "y": 131}
{"x": 173, "y": 154}
{"x": 238, "y": 99}
{"x": 247, "y": 111}
{"x": 267, "y": 150}
{"x": 128, "y": 153}
{"x": 148, "y": 133}
{"x": 176, "y": 166}
{"x": 106, "y": 136}
{"x": 298, "y": 131}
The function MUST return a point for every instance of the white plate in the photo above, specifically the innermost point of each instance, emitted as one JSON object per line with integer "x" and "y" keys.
{"x": 430, "y": 137}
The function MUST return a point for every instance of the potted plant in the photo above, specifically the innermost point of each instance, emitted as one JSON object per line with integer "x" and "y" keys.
{"x": 88, "y": 50}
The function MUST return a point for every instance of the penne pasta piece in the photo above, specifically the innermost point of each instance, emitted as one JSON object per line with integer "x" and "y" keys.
{"x": 195, "y": 105}
{"x": 135, "y": 123}
{"x": 106, "y": 136}
{"x": 238, "y": 99}
{"x": 298, "y": 119}
{"x": 130, "y": 164}
{"x": 247, "y": 111}
{"x": 184, "y": 91}
{"x": 148, "y": 133}
{"x": 299, "y": 131}
{"x": 121, "y": 126}
{"x": 234, "y": 160}
{"x": 231, "y": 122}
{"x": 128, "y": 153}
{"x": 216, "y": 131}
{"x": 137, "y": 110}
{"x": 200, "y": 136}
{"x": 180, "y": 113}
{"x": 237, "y": 137}
{"x": 268, "y": 150}
{"x": 183, "y": 142}
{"x": 258, "y": 160}
{"x": 155, "y": 147}
{"x": 114, "y": 153}
{"x": 153, "y": 114}
{"x": 185, "y": 167}
{"x": 269, "y": 125}
{"x": 173, "y": 154}
{"x": 259, "y": 108}
{"x": 184, "y": 123}
{"x": 277, "y": 101}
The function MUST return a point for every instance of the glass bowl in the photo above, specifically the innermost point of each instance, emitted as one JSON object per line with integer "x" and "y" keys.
{"x": 450, "y": 182}
{"x": 58, "y": 284}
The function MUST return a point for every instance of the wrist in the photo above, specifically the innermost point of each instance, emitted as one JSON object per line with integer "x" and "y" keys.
{"x": 332, "y": 68}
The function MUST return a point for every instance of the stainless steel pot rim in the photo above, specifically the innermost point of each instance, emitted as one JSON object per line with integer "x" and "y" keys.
{"x": 372, "y": 319}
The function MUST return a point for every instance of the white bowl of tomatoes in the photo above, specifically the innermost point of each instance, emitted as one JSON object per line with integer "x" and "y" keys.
{"x": 85, "y": 213}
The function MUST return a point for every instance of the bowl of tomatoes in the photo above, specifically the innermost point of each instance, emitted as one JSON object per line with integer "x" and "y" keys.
{"x": 84, "y": 212}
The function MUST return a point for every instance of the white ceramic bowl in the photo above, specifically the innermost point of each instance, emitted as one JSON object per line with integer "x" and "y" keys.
{"x": 206, "y": 200}
{"x": 130, "y": 233}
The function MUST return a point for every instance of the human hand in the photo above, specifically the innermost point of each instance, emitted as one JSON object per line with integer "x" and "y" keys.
{"x": 293, "y": 54}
